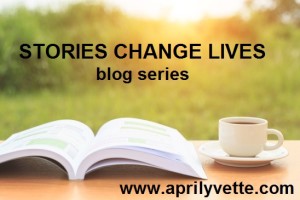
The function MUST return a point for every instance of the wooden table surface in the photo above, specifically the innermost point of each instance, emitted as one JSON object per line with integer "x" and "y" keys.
{"x": 35, "y": 178}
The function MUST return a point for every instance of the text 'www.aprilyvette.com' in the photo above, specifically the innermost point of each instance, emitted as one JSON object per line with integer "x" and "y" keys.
{"x": 200, "y": 188}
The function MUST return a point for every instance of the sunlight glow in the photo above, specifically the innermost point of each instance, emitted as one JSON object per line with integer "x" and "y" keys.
{"x": 178, "y": 10}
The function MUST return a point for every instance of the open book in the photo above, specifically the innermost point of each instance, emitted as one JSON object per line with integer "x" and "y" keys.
{"x": 73, "y": 146}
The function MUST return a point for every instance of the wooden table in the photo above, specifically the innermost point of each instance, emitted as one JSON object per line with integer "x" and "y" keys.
{"x": 34, "y": 178}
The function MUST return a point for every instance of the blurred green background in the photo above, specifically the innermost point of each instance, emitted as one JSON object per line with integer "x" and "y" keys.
{"x": 35, "y": 91}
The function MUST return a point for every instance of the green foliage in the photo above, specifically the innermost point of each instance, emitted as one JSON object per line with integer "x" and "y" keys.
{"x": 277, "y": 11}
{"x": 23, "y": 75}
{"x": 66, "y": 88}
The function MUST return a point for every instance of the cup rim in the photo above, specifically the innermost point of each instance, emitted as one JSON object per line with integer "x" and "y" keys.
{"x": 255, "y": 120}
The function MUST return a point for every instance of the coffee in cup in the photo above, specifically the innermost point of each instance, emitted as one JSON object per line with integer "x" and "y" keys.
{"x": 246, "y": 136}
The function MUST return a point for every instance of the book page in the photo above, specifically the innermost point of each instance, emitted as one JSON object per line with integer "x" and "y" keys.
{"x": 142, "y": 135}
{"x": 137, "y": 141}
{"x": 67, "y": 137}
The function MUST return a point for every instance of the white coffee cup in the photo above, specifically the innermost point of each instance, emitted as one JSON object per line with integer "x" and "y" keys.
{"x": 246, "y": 136}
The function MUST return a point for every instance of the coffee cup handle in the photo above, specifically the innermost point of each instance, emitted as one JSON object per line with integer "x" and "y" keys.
{"x": 279, "y": 141}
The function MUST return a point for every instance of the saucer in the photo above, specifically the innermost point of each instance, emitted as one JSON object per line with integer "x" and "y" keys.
{"x": 214, "y": 151}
